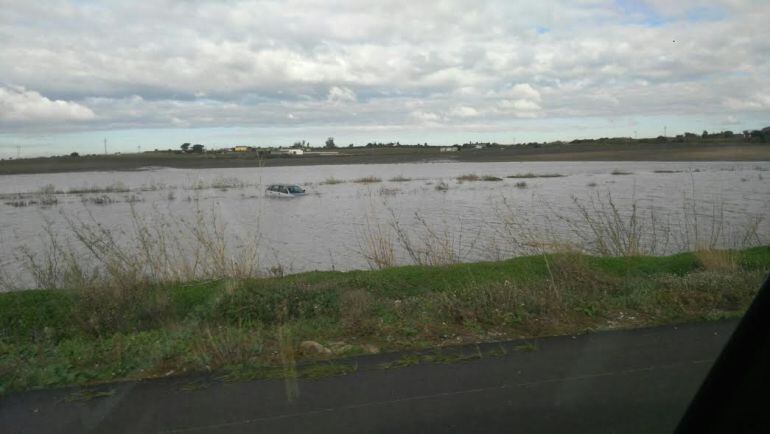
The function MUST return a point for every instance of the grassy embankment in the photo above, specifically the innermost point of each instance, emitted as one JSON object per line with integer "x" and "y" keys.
{"x": 252, "y": 328}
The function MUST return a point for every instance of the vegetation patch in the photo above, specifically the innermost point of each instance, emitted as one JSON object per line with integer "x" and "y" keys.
{"x": 367, "y": 180}
{"x": 399, "y": 178}
{"x": 468, "y": 177}
{"x": 253, "y": 327}
{"x": 533, "y": 175}
{"x": 332, "y": 181}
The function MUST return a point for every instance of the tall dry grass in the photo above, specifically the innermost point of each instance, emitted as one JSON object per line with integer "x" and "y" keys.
{"x": 157, "y": 248}
{"x": 382, "y": 241}
{"x": 596, "y": 224}
{"x": 376, "y": 244}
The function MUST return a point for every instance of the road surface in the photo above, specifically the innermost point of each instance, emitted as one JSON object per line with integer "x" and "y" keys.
{"x": 637, "y": 381}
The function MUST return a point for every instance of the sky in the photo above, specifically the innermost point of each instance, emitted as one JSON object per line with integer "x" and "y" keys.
{"x": 147, "y": 75}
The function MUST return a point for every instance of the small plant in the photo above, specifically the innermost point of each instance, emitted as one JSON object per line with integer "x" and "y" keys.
{"x": 490, "y": 178}
{"x": 717, "y": 260}
{"x": 367, "y": 180}
{"x": 399, "y": 178}
{"x": 532, "y": 175}
{"x": 223, "y": 184}
{"x": 442, "y": 186}
{"x": 332, "y": 181}
{"x": 591, "y": 184}
{"x": 99, "y": 200}
{"x": 619, "y": 172}
{"x": 468, "y": 177}
{"x": 48, "y": 189}
{"x": 521, "y": 184}
{"x": 116, "y": 187}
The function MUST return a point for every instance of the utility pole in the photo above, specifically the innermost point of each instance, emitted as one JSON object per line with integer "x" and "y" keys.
{"x": 18, "y": 151}
{"x": 665, "y": 131}
{"x": 105, "y": 146}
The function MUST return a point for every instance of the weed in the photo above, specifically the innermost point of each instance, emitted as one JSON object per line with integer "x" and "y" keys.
{"x": 367, "y": 180}
{"x": 521, "y": 184}
{"x": 399, "y": 178}
{"x": 468, "y": 177}
{"x": 332, "y": 181}
{"x": 533, "y": 175}
{"x": 490, "y": 178}
{"x": 355, "y": 311}
{"x": 376, "y": 245}
{"x": 717, "y": 260}
{"x": 116, "y": 187}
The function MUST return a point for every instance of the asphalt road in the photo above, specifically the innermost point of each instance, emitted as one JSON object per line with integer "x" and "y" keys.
{"x": 636, "y": 381}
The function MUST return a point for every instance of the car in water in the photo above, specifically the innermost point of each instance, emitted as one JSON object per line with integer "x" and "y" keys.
{"x": 285, "y": 190}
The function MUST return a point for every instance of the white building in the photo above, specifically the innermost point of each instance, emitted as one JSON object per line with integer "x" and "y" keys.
{"x": 291, "y": 151}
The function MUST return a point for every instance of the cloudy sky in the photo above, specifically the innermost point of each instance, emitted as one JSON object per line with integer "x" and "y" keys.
{"x": 156, "y": 74}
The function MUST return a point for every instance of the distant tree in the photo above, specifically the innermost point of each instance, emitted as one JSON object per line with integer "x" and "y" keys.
{"x": 759, "y": 135}
{"x": 727, "y": 134}
{"x": 330, "y": 143}
{"x": 299, "y": 145}
{"x": 705, "y": 134}
{"x": 350, "y": 145}
{"x": 185, "y": 146}
{"x": 198, "y": 149}
{"x": 74, "y": 154}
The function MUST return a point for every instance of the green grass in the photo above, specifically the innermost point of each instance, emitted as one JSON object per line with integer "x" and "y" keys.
{"x": 252, "y": 328}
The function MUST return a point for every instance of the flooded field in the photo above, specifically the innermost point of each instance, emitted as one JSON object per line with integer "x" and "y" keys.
{"x": 361, "y": 216}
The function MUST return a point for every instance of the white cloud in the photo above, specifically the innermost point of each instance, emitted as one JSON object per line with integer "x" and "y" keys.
{"x": 522, "y": 91}
{"x": 426, "y": 117}
{"x": 20, "y": 105}
{"x": 339, "y": 94}
{"x": 464, "y": 112}
{"x": 519, "y": 107}
{"x": 377, "y": 63}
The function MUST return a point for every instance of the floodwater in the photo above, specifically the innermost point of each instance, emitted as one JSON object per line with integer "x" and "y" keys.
{"x": 324, "y": 229}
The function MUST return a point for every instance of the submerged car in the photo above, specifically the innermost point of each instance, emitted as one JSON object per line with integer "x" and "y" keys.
{"x": 285, "y": 190}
